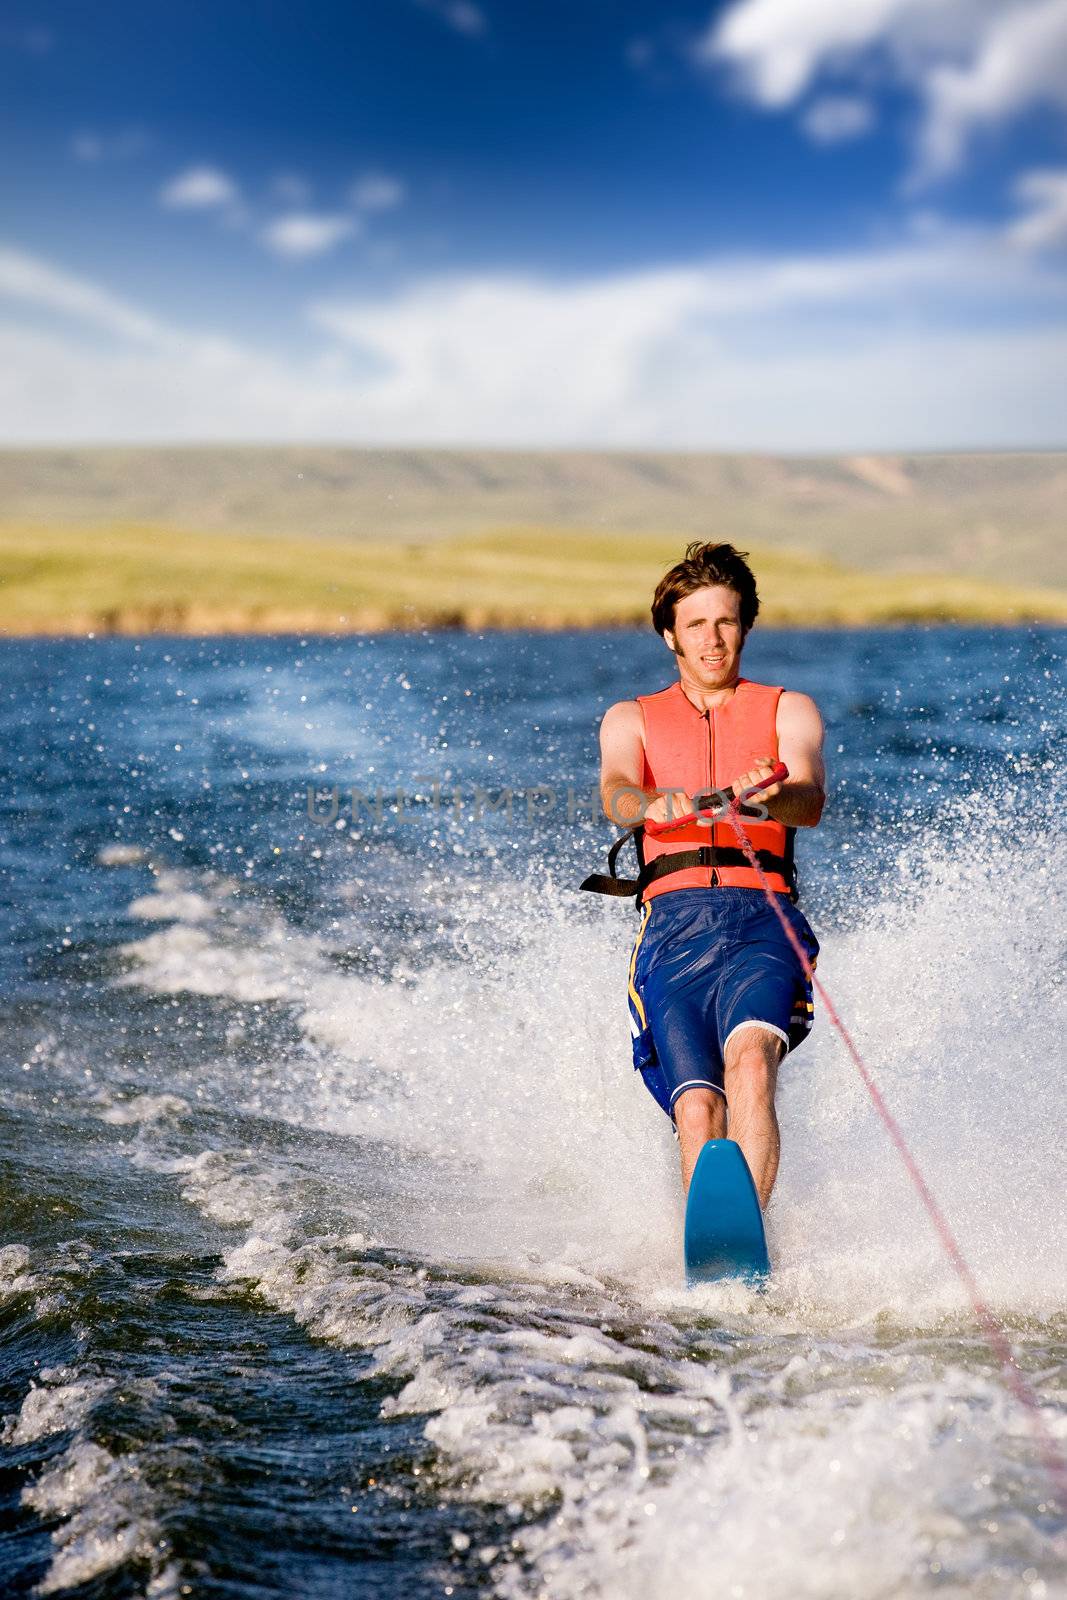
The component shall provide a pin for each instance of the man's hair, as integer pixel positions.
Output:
(706, 566)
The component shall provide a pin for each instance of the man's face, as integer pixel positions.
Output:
(707, 637)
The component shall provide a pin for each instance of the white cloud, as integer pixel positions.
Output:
(197, 189)
(462, 16)
(1045, 223)
(971, 62)
(836, 118)
(848, 352)
(28, 281)
(792, 353)
(1020, 61)
(377, 191)
(303, 234)
(780, 45)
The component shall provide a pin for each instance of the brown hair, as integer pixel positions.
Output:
(706, 566)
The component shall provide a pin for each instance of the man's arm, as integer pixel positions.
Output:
(622, 766)
(622, 763)
(799, 801)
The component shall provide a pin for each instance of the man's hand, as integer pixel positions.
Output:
(797, 802)
(669, 807)
(763, 768)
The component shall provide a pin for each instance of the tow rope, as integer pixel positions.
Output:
(991, 1326)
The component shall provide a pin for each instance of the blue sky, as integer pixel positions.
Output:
(763, 224)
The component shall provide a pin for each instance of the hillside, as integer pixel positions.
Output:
(974, 516)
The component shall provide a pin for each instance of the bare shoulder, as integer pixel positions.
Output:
(622, 731)
(623, 716)
(798, 715)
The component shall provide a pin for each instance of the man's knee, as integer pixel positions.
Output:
(752, 1058)
(699, 1111)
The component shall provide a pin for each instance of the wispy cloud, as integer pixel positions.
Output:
(835, 118)
(377, 191)
(1020, 61)
(952, 341)
(809, 352)
(1044, 223)
(298, 233)
(972, 63)
(28, 281)
(302, 234)
(462, 16)
(199, 189)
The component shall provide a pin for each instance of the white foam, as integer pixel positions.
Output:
(140, 1109)
(53, 1407)
(182, 905)
(216, 945)
(845, 1493)
(79, 1475)
(512, 1073)
(182, 897)
(188, 960)
(502, 1086)
(105, 1512)
(807, 1443)
(16, 1276)
(108, 1520)
(707, 1468)
(121, 855)
(230, 1189)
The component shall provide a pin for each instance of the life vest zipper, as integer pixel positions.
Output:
(714, 883)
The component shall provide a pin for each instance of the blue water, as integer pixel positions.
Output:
(340, 1249)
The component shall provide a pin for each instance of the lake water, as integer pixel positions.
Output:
(340, 1247)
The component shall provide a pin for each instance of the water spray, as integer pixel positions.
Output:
(991, 1326)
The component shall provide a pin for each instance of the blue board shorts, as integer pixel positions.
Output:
(705, 963)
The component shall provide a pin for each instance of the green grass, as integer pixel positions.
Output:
(147, 578)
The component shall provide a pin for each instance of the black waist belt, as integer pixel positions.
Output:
(681, 861)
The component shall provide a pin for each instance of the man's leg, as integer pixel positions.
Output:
(699, 1115)
(752, 1056)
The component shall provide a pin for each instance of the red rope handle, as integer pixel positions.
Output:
(991, 1326)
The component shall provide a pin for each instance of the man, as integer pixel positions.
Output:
(717, 996)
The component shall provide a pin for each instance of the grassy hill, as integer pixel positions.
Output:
(210, 539)
(142, 580)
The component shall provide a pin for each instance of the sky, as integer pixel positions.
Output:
(772, 225)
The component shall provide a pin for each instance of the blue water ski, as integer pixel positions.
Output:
(724, 1235)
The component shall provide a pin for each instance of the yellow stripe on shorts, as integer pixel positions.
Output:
(634, 996)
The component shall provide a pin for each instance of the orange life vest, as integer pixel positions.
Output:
(692, 751)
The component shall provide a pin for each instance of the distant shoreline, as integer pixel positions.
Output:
(136, 627)
(144, 580)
